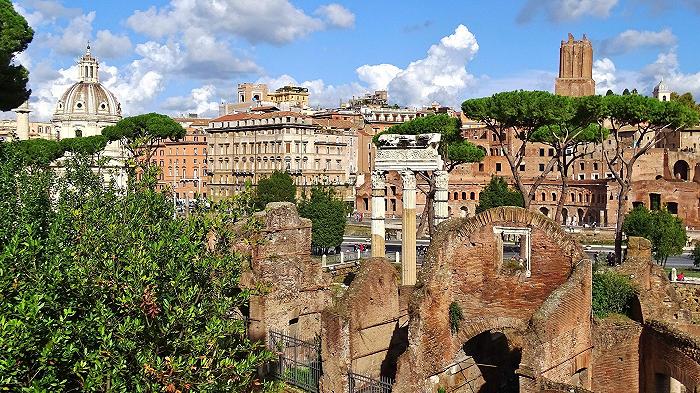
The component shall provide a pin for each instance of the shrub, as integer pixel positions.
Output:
(612, 293)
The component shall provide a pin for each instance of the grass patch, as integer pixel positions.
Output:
(358, 230)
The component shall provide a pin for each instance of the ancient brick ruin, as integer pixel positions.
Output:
(522, 327)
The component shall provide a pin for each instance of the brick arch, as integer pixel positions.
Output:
(463, 267)
(671, 352)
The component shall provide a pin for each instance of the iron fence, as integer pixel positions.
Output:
(298, 361)
(358, 383)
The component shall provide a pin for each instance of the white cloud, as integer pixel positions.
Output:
(110, 45)
(272, 21)
(441, 76)
(565, 10)
(73, 39)
(39, 12)
(604, 75)
(200, 101)
(337, 15)
(630, 40)
(378, 76)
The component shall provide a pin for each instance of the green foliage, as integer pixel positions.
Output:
(464, 151)
(612, 293)
(442, 390)
(647, 112)
(328, 218)
(36, 152)
(523, 110)
(665, 231)
(102, 290)
(498, 193)
(456, 317)
(686, 99)
(142, 134)
(89, 145)
(15, 35)
(279, 187)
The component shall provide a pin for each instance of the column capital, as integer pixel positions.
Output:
(409, 179)
(378, 179)
(442, 179)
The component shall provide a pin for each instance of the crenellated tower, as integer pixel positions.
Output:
(575, 68)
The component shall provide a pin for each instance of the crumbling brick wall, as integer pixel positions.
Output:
(615, 360)
(295, 289)
(464, 267)
(360, 330)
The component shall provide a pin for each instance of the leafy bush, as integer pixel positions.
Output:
(498, 193)
(612, 293)
(279, 187)
(328, 218)
(102, 290)
(665, 231)
(696, 255)
(456, 317)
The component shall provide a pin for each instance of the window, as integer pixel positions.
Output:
(78, 133)
(195, 151)
(554, 196)
(655, 201)
(498, 167)
(522, 167)
(541, 152)
(455, 196)
(582, 176)
(595, 166)
(573, 197)
(541, 167)
(550, 153)
(582, 165)
(464, 195)
(672, 207)
(543, 197)
(481, 167)
(472, 195)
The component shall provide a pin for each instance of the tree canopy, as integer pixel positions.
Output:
(328, 218)
(519, 114)
(665, 231)
(279, 187)
(142, 134)
(15, 35)
(498, 193)
(105, 291)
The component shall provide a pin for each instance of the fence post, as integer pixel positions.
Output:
(358, 254)
(342, 257)
(398, 257)
(674, 276)
(323, 260)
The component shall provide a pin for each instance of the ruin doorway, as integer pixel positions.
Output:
(681, 170)
(544, 211)
(580, 216)
(564, 216)
(497, 360)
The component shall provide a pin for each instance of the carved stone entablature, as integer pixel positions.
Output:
(408, 152)
(398, 141)
(409, 180)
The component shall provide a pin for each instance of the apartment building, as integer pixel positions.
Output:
(246, 147)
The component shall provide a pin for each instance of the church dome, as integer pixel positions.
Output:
(88, 98)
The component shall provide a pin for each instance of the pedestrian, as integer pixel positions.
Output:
(681, 276)
(610, 259)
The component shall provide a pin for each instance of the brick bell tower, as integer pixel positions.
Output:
(575, 68)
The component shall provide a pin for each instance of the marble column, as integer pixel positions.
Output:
(441, 193)
(378, 213)
(22, 121)
(408, 229)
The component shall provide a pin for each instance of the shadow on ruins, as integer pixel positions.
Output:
(518, 328)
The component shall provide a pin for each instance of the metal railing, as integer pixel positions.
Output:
(298, 361)
(358, 383)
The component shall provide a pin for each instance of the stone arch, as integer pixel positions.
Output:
(681, 170)
(464, 212)
(464, 267)
(544, 210)
(564, 216)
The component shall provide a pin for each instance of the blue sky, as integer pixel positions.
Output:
(181, 56)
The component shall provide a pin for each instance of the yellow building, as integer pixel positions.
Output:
(295, 96)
